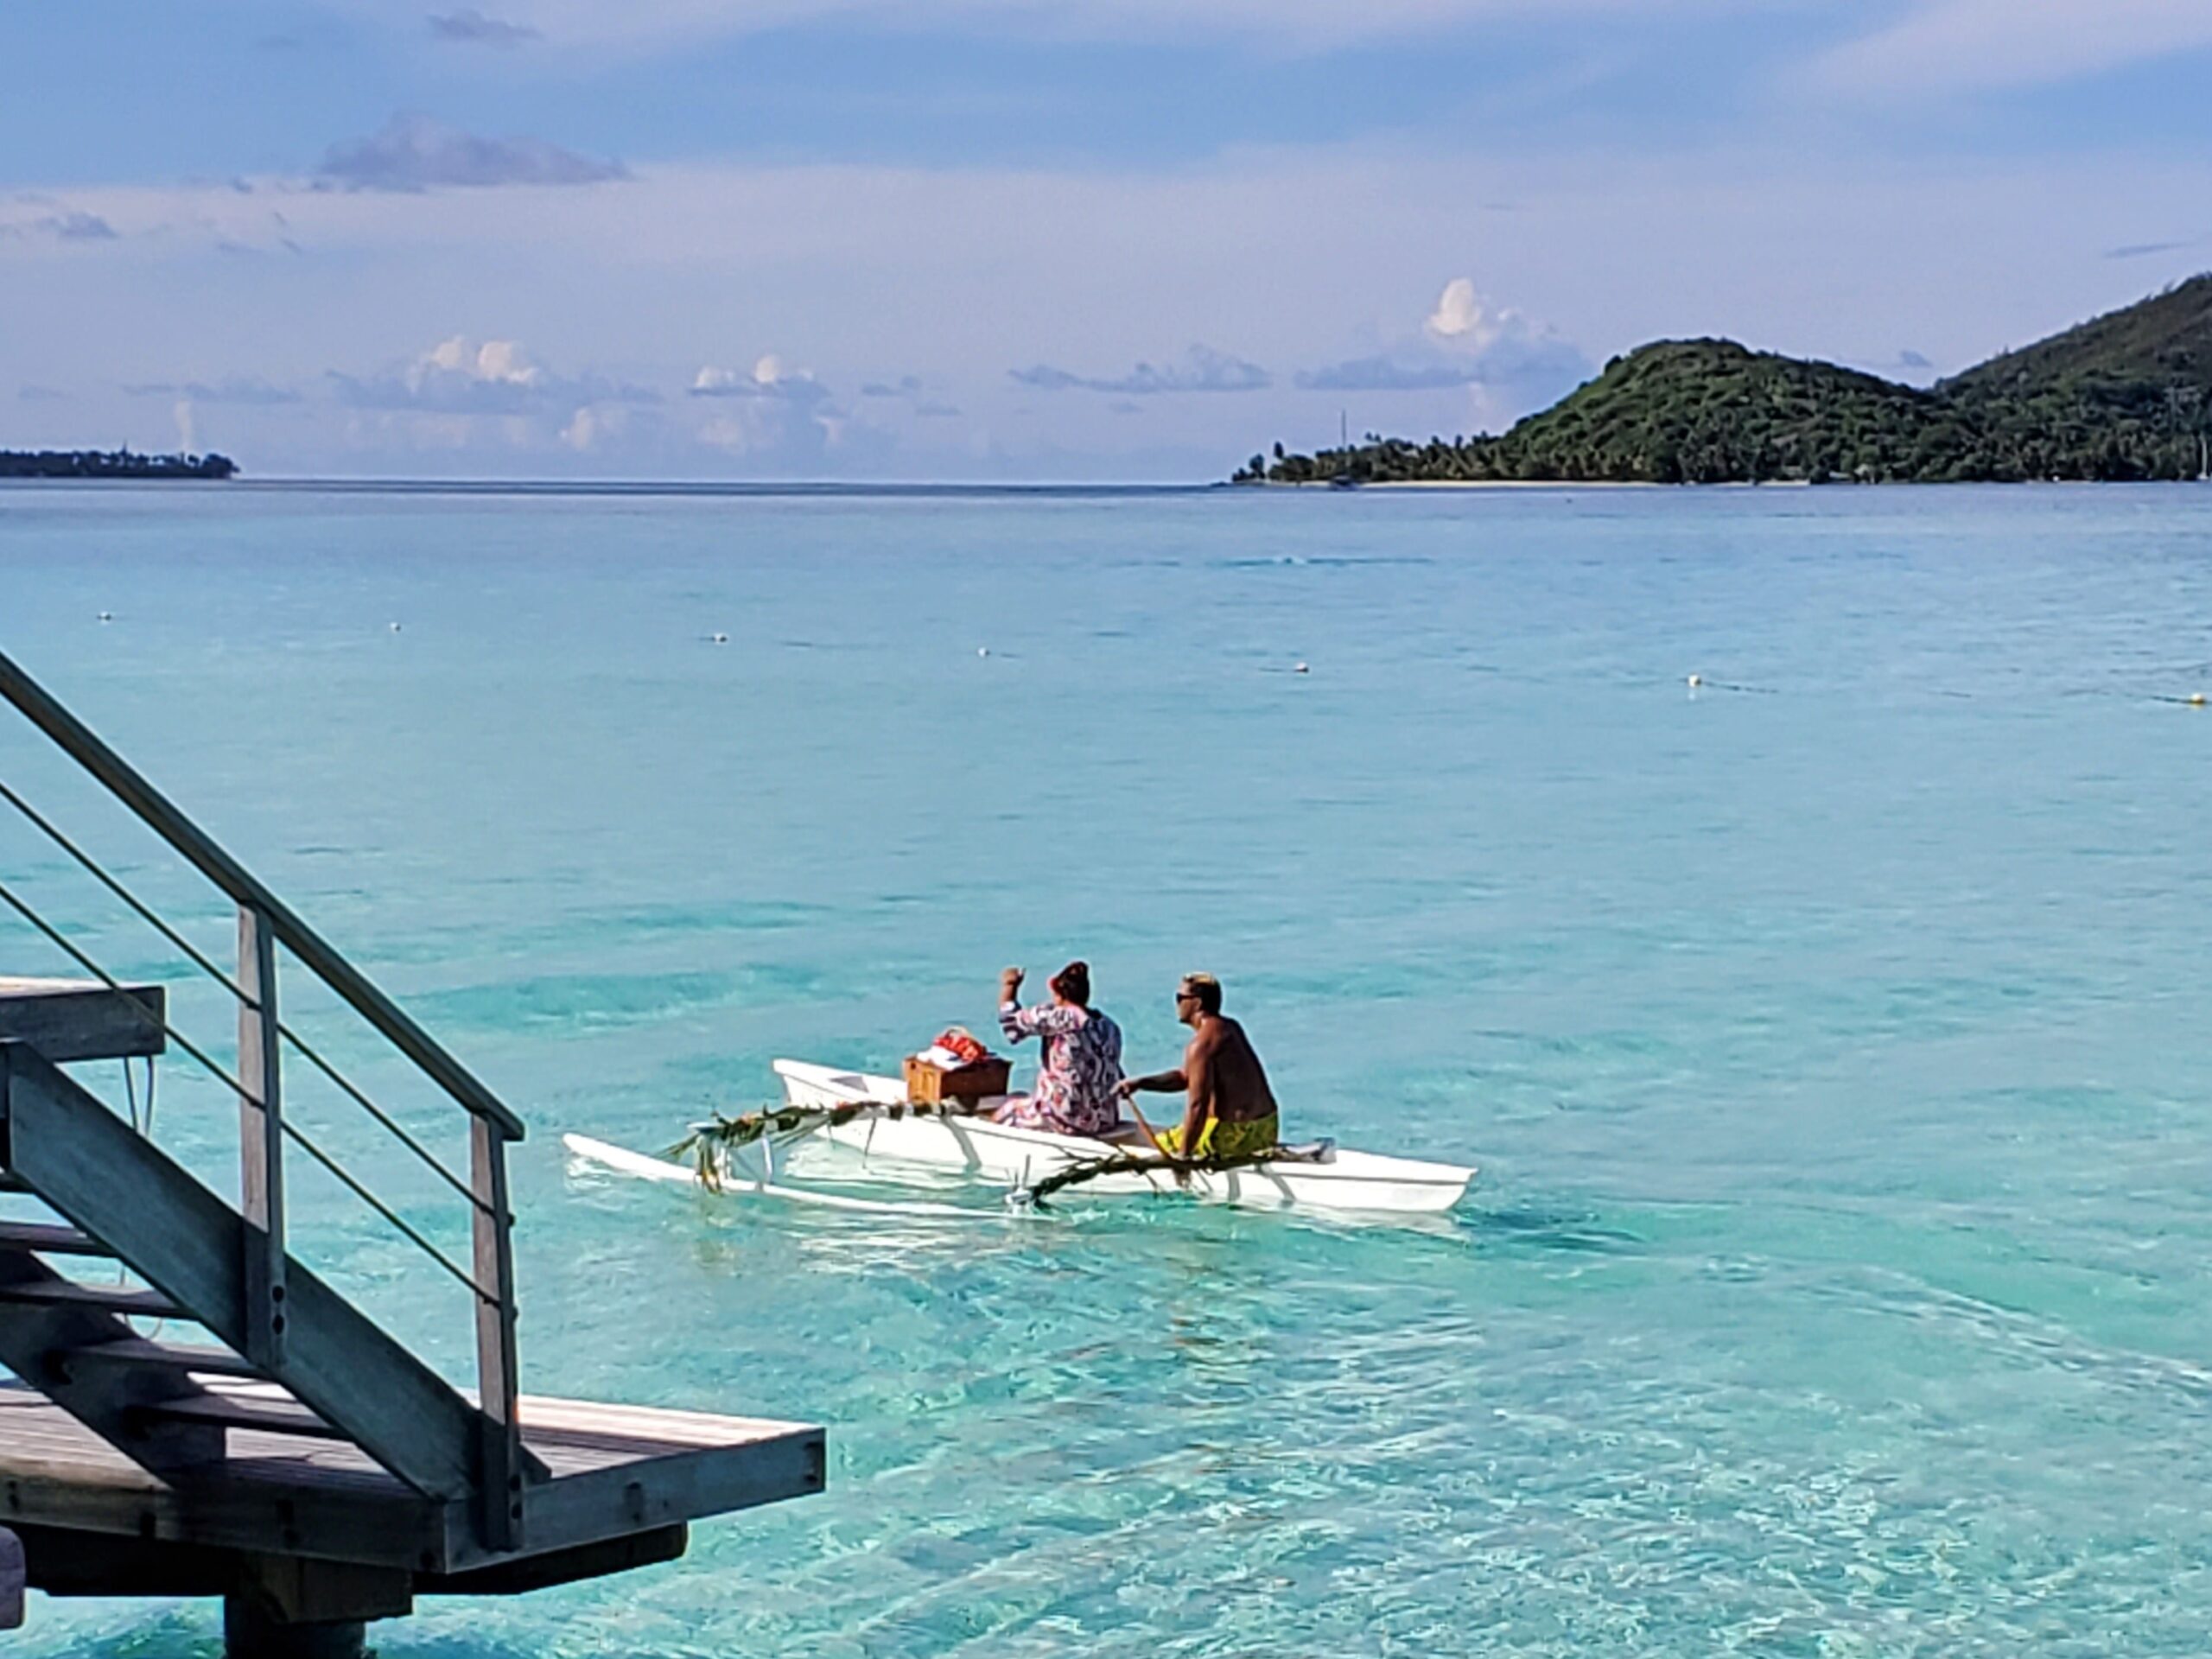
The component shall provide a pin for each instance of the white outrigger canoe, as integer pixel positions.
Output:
(1321, 1177)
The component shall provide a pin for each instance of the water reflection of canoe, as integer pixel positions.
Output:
(1321, 1177)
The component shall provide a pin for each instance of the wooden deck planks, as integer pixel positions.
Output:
(615, 1470)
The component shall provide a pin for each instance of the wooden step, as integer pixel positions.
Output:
(49, 1238)
(264, 1416)
(112, 1299)
(166, 1355)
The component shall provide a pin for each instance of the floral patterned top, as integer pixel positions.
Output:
(1076, 1075)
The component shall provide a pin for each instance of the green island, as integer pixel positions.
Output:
(111, 463)
(2125, 397)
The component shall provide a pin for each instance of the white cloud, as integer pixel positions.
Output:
(2151, 250)
(61, 224)
(592, 425)
(502, 362)
(1948, 45)
(230, 388)
(78, 228)
(776, 437)
(1464, 322)
(1385, 372)
(414, 153)
(459, 375)
(1202, 369)
(469, 27)
(768, 378)
(1511, 363)
(1950, 42)
(1459, 311)
(1305, 25)
(781, 422)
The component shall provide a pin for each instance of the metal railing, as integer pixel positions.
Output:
(264, 923)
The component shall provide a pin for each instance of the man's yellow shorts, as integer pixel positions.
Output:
(1220, 1140)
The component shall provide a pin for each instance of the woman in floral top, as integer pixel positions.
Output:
(1081, 1067)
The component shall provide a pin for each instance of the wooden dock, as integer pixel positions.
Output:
(623, 1484)
(273, 1447)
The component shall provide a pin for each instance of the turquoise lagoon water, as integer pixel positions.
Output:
(1832, 1037)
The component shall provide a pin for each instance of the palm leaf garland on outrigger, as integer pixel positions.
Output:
(704, 1146)
(1137, 1163)
(782, 1124)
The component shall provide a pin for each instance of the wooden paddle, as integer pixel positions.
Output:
(1131, 1103)
(1180, 1165)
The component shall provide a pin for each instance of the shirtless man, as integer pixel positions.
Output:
(1231, 1111)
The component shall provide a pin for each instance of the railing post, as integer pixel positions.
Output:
(260, 1140)
(501, 1460)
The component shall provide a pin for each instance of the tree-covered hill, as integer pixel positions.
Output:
(2128, 396)
(1703, 411)
(2165, 339)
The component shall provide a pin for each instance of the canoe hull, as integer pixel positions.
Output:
(1343, 1180)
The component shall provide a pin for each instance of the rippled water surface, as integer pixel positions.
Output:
(1832, 1035)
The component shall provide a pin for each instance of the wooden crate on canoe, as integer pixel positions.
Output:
(934, 1085)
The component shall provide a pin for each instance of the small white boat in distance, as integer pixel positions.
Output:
(1320, 1177)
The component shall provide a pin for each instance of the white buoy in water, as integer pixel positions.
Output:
(2197, 699)
(1696, 680)
(107, 616)
(719, 638)
(1301, 669)
(395, 627)
(982, 651)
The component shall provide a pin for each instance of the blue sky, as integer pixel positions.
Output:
(997, 239)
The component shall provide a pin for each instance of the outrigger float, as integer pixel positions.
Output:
(894, 1139)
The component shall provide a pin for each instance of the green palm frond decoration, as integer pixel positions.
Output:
(709, 1143)
(1145, 1162)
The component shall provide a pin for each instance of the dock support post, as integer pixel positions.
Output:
(14, 1575)
(282, 1607)
(250, 1633)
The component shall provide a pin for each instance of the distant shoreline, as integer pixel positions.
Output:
(1469, 484)
(113, 466)
(1569, 484)
(703, 489)
(685, 489)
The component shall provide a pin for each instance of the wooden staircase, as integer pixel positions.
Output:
(285, 1451)
(340, 1378)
